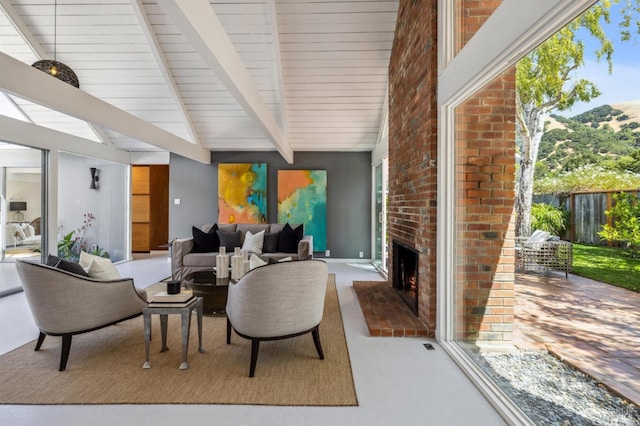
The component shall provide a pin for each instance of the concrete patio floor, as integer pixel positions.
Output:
(594, 327)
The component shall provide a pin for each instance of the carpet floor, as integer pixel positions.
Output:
(105, 367)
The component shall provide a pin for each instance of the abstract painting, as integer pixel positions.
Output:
(302, 198)
(242, 193)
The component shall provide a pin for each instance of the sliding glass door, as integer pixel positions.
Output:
(21, 203)
(381, 187)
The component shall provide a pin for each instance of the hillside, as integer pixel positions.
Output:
(605, 132)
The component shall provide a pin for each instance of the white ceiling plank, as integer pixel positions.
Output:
(19, 25)
(278, 67)
(164, 68)
(330, 19)
(333, 63)
(203, 29)
(27, 82)
(337, 7)
(321, 28)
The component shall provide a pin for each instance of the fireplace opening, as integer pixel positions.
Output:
(405, 274)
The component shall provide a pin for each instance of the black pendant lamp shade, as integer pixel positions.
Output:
(59, 70)
(52, 67)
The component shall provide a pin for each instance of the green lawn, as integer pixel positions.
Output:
(606, 264)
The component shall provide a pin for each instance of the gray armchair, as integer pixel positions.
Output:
(278, 301)
(64, 304)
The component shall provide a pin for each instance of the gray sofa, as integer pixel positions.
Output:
(184, 261)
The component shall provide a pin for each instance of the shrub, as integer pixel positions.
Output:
(625, 227)
(546, 217)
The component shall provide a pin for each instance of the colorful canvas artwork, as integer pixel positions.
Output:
(302, 198)
(242, 193)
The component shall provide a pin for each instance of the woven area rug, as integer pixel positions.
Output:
(105, 367)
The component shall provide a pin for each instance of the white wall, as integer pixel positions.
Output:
(109, 203)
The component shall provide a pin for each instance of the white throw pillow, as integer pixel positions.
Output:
(286, 259)
(538, 236)
(29, 231)
(255, 261)
(253, 243)
(86, 258)
(15, 228)
(103, 269)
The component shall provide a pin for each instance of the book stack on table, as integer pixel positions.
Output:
(165, 300)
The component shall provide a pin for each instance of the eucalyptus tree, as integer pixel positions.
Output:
(546, 80)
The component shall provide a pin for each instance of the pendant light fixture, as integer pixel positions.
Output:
(52, 67)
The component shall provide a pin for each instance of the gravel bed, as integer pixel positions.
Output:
(553, 393)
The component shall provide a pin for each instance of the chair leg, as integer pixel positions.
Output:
(228, 331)
(255, 346)
(316, 340)
(40, 341)
(66, 347)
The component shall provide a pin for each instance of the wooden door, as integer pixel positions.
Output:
(149, 207)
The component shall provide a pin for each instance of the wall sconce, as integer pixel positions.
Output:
(94, 178)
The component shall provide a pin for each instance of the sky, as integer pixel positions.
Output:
(623, 84)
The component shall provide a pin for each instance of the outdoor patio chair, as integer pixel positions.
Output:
(542, 252)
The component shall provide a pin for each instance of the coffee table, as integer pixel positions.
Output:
(164, 311)
(213, 291)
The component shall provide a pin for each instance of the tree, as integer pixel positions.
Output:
(545, 80)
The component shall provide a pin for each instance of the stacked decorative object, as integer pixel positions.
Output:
(239, 264)
(222, 263)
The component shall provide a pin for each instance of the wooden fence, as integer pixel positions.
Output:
(586, 213)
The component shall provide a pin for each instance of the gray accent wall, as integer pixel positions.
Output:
(348, 194)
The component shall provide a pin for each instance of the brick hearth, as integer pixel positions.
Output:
(385, 313)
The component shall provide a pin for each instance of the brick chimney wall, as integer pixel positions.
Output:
(486, 157)
(413, 123)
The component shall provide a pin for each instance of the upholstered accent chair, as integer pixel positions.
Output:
(64, 303)
(278, 301)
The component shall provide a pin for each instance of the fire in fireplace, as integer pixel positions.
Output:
(405, 274)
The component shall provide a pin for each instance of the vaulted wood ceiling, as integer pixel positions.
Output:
(285, 75)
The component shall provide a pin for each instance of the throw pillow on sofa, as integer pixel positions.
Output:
(98, 267)
(74, 268)
(270, 244)
(230, 240)
(52, 260)
(255, 261)
(29, 231)
(273, 260)
(205, 242)
(17, 231)
(289, 239)
(103, 269)
(253, 242)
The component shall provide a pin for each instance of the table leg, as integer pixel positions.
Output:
(147, 338)
(199, 313)
(164, 319)
(186, 325)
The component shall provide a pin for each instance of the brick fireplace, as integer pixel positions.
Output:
(412, 194)
(405, 278)
(485, 160)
